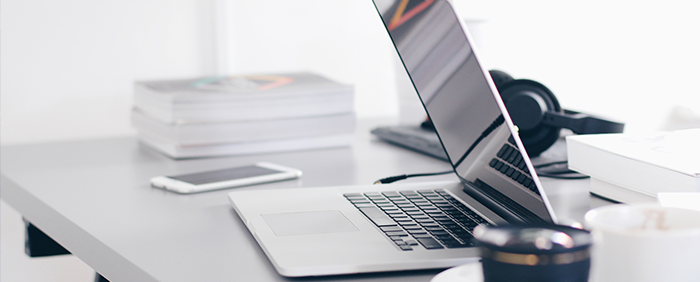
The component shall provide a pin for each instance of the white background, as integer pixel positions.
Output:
(67, 67)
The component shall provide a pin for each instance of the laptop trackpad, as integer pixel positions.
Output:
(307, 223)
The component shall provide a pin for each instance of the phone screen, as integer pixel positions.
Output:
(224, 174)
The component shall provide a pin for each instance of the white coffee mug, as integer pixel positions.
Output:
(644, 243)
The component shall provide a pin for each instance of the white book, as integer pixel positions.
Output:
(242, 97)
(320, 104)
(687, 200)
(620, 194)
(246, 148)
(648, 163)
(244, 131)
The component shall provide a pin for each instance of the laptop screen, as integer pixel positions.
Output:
(465, 108)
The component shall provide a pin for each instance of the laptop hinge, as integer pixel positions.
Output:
(511, 211)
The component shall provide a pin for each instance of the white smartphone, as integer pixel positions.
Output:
(225, 178)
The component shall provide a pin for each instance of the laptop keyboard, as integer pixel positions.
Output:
(510, 162)
(430, 218)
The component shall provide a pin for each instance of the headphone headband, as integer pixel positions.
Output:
(536, 111)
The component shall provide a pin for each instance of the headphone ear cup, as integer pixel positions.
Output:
(500, 78)
(527, 101)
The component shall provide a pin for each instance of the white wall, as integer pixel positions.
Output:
(635, 61)
(67, 66)
(343, 40)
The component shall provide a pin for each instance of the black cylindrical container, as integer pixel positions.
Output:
(543, 253)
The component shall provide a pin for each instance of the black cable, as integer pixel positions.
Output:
(549, 164)
(549, 174)
(568, 177)
(395, 178)
(544, 170)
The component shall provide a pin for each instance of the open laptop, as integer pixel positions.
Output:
(356, 229)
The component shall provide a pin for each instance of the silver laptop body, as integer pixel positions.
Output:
(342, 230)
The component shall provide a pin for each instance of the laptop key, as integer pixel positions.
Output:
(377, 216)
(438, 232)
(357, 202)
(456, 244)
(451, 225)
(429, 243)
(443, 219)
(411, 210)
(521, 178)
(396, 233)
(391, 228)
(418, 233)
(445, 237)
(465, 237)
(503, 150)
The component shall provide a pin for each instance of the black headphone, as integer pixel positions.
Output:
(536, 112)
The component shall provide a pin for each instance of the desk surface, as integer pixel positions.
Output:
(94, 198)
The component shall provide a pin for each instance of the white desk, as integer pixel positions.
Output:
(94, 198)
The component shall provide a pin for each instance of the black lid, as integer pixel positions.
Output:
(533, 239)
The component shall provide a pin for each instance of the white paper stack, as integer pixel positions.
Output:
(214, 116)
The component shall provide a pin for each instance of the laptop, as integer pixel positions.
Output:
(402, 226)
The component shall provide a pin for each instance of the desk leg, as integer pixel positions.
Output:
(38, 244)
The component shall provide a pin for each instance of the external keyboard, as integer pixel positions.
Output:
(429, 218)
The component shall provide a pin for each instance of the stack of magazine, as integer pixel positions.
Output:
(238, 115)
